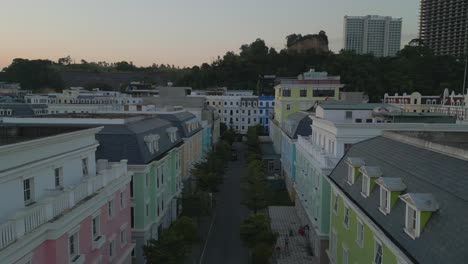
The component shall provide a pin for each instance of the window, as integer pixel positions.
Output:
(351, 175)
(360, 233)
(132, 217)
(378, 253)
(146, 180)
(96, 227)
(411, 220)
(286, 93)
(112, 249)
(122, 200)
(157, 181)
(110, 209)
(349, 114)
(365, 186)
(358, 120)
(384, 201)
(73, 246)
(345, 255)
(369, 120)
(261, 111)
(28, 187)
(346, 217)
(288, 107)
(84, 165)
(158, 209)
(334, 245)
(231, 103)
(335, 204)
(303, 93)
(131, 188)
(58, 174)
(123, 236)
(147, 209)
(323, 93)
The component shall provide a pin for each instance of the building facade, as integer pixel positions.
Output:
(391, 205)
(63, 206)
(443, 26)
(266, 106)
(377, 35)
(293, 95)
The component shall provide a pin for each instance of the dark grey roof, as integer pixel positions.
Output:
(337, 105)
(126, 141)
(179, 119)
(444, 237)
(21, 109)
(298, 123)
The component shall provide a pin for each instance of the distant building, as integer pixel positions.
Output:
(20, 109)
(377, 35)
(266, 106)
(443, 26)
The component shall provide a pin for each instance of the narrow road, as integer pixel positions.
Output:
(223, 244)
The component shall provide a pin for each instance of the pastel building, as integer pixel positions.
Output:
(301, 93)
(398, 198)
(266, 105)
(61, 205)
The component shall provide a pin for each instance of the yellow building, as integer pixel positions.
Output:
(301, 93)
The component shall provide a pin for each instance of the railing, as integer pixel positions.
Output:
(58, 202)
(325, 160)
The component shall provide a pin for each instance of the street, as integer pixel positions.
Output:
(223, 244)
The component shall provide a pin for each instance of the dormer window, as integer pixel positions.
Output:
(172, 133)
(419, 208)
(353, 169)
(390, 189)
(152, 142)
(369, 174)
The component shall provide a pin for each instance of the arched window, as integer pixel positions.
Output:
(428, 101)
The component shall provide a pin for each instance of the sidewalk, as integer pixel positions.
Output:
(283, 221)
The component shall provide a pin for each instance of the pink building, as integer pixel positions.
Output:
(58, 204)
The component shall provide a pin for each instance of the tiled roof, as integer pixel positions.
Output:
(444, 177)
(298, 123)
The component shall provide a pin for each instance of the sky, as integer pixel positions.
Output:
(179, 32)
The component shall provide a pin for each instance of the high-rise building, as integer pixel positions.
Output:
(443, 26)
(378, 35)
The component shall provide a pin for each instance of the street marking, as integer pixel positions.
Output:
(207, 238)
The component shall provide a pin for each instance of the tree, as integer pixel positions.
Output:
(254, 187)
(65, 60)
(174, 244)
(255, 229)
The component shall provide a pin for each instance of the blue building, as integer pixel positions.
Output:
(265, 106)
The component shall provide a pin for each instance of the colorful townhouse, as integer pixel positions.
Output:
(400, 198)
(59, 204)
(160, 151)
(336, 126)
(301, 93)
(298, 124)
(266, 104)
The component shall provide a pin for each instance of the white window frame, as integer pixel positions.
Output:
(98, 227)
(85, 166)
(417, 219)
(123, 236)
(112, 249)
(147, 209)
(384, 204)
(351, 175)
(365, 191)
(122, 200)
(110, 209)
(346, 214)
(29, 191)
(58, 177)
(345, 253)
(334, 246)
(378, 244)
(75, 234)
(335, 204)
(360, 233)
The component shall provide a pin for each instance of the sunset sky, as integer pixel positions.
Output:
(176, 32)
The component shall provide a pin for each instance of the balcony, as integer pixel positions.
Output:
(325, 160)
(59, 202)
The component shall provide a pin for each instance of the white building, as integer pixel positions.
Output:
(378, 35)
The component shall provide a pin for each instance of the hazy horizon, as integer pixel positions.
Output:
(181, 33)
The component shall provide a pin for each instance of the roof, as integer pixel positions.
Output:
(356, 162)
(298, 123)
(391, 184)
(179, 120)
(336, 105)
(371, 171)
(423, 171)
(127, 141)
(422, 201)
(21, 109)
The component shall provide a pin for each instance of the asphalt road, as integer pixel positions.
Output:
(223, 245)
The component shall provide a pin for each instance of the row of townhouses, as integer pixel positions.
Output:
(94, 188)
(372, 183)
